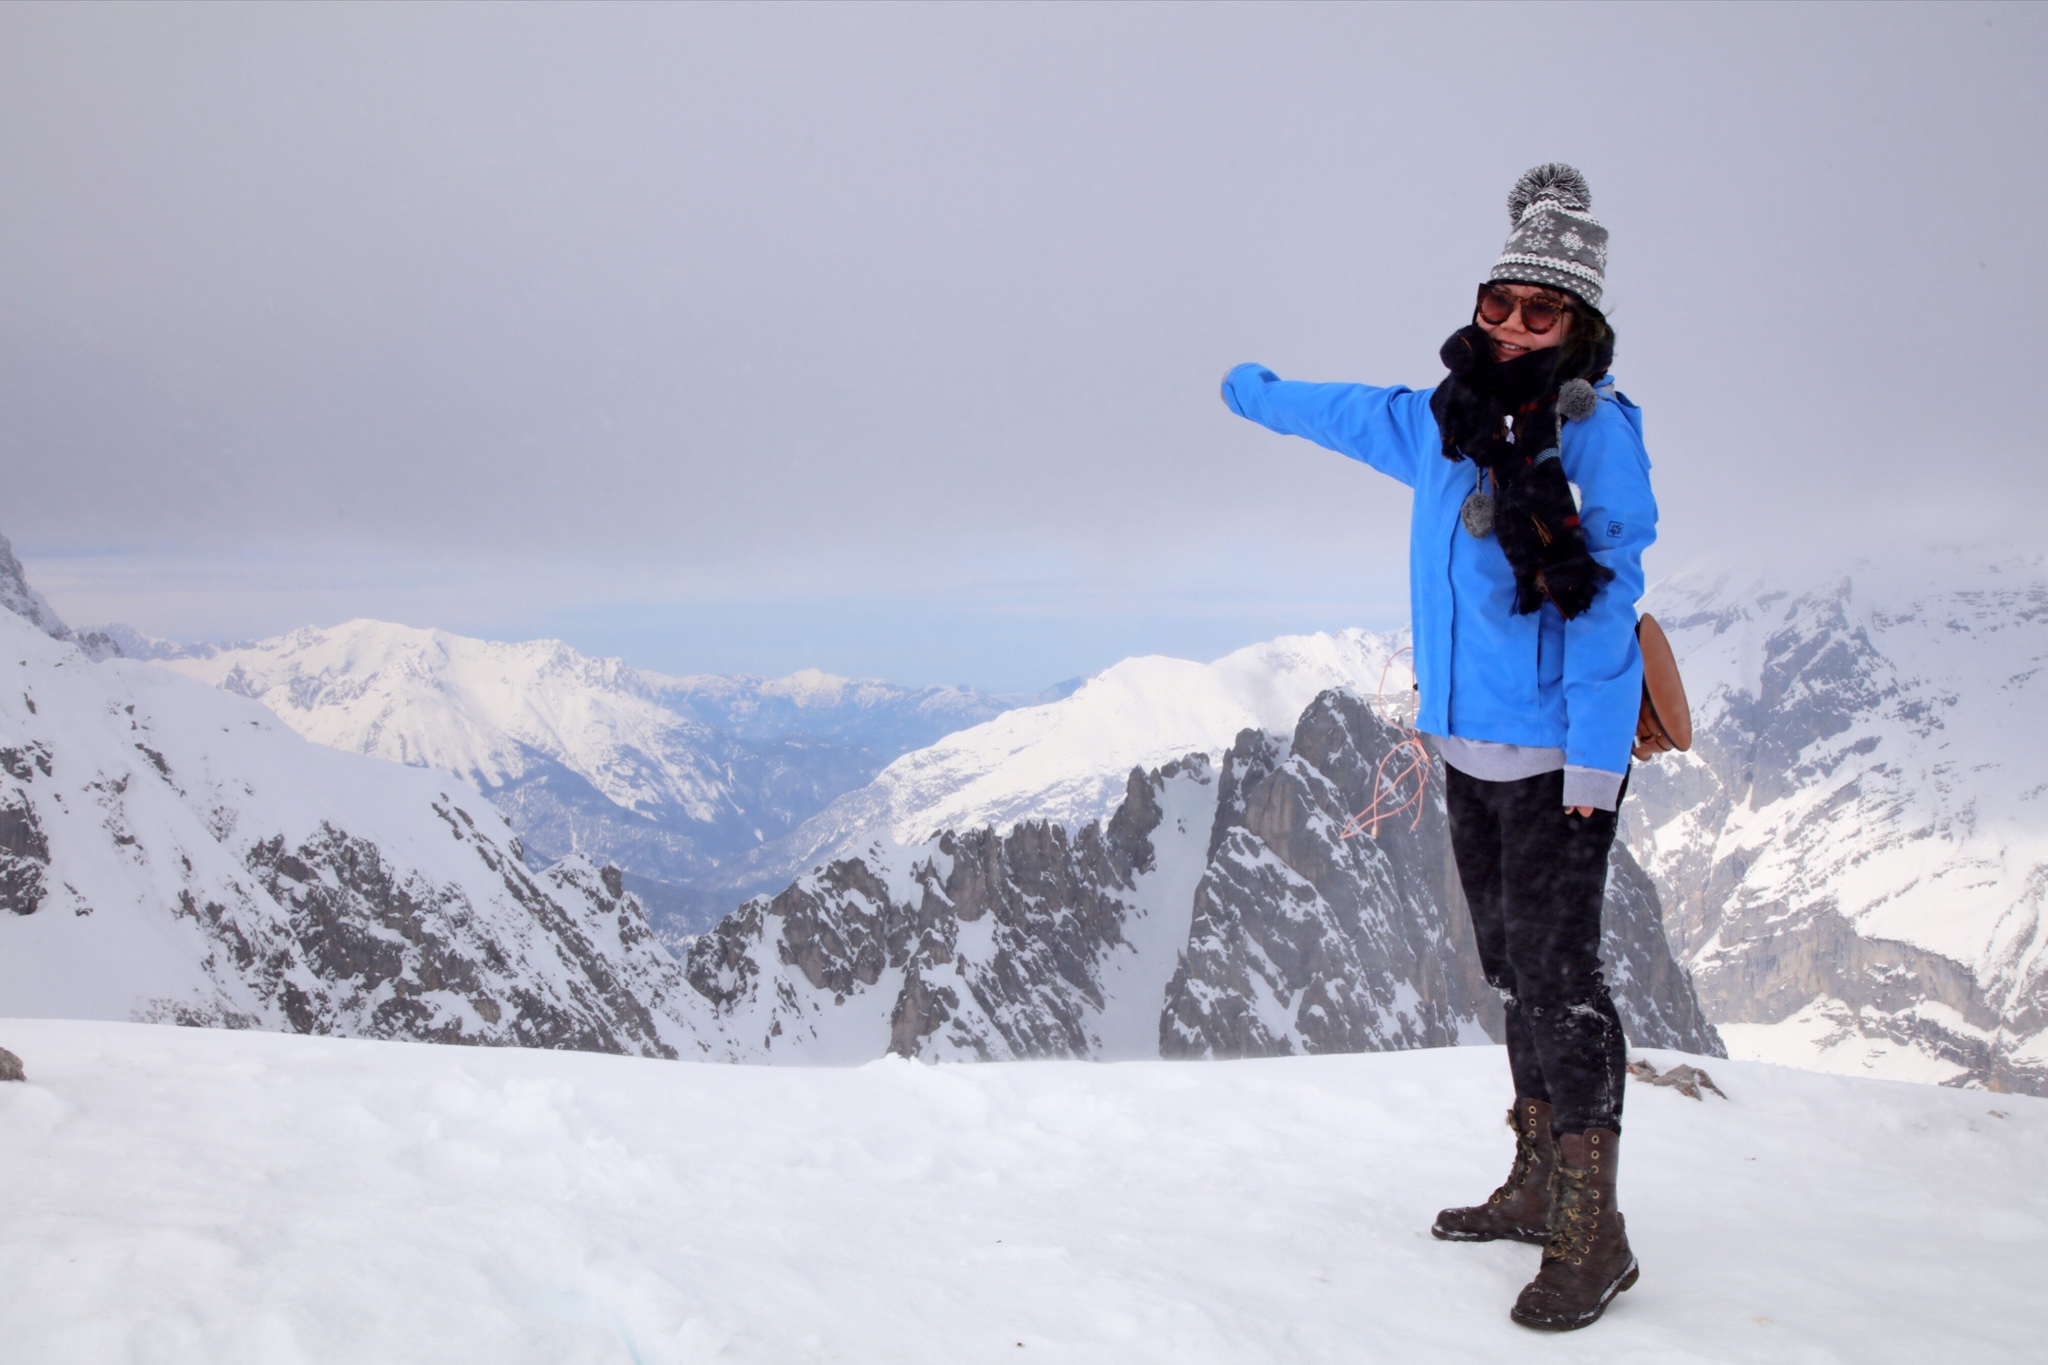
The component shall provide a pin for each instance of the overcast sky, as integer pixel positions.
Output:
(887, 339)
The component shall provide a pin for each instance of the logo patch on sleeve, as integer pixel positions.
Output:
(1613, 528)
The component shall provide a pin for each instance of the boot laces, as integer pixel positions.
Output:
(1525, 1162)
(1572, 1218)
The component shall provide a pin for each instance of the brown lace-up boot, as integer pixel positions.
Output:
(1520, 1209)
(1587, 1261)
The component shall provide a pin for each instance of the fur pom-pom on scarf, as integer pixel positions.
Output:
(1504, 417)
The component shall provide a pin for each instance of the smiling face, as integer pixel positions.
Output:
(1512, 336)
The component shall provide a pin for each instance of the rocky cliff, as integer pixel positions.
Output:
(1305, 941)
(1852, 855)
(974, 945)
(1216, 913)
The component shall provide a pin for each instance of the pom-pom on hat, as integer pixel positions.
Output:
(1556, 241)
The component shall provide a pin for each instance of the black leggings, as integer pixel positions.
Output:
(1535, 877)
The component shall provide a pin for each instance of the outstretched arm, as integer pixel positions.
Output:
(1389, 429)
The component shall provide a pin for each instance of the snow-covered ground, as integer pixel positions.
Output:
(185, 1195)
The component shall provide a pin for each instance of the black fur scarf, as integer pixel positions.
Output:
(1477, 406)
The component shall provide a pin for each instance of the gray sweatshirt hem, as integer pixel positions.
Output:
(1492, 762)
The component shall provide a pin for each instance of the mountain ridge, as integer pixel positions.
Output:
(1067, 760)
(1850, 864)
(669, 777)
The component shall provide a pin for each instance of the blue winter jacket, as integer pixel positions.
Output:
(1486, 673)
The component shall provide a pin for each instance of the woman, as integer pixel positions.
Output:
(1532, 511)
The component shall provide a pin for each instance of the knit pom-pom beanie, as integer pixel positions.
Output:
(1554, 241)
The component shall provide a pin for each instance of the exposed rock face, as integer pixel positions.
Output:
(1213, 915)
(1852, 848)
(390, 952)
(24, 852)
(1654, 995)
(975, 945)
(1306, 942)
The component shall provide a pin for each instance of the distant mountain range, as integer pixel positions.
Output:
(169, 851)
(708, 790)
(668, 778)
(1851, 864)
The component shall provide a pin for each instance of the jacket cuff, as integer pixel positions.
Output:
(1241, 384)
(1595, 787)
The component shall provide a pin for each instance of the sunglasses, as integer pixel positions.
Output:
(1539, 314)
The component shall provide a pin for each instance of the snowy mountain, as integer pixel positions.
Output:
(1067, 760)
(169, 850)
(172, 852)
(1203, 918)
(130, 643)
(1854, 857)
(666, 778)
(1850, 864)
(19, 599)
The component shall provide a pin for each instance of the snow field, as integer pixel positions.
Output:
(192, 1195)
